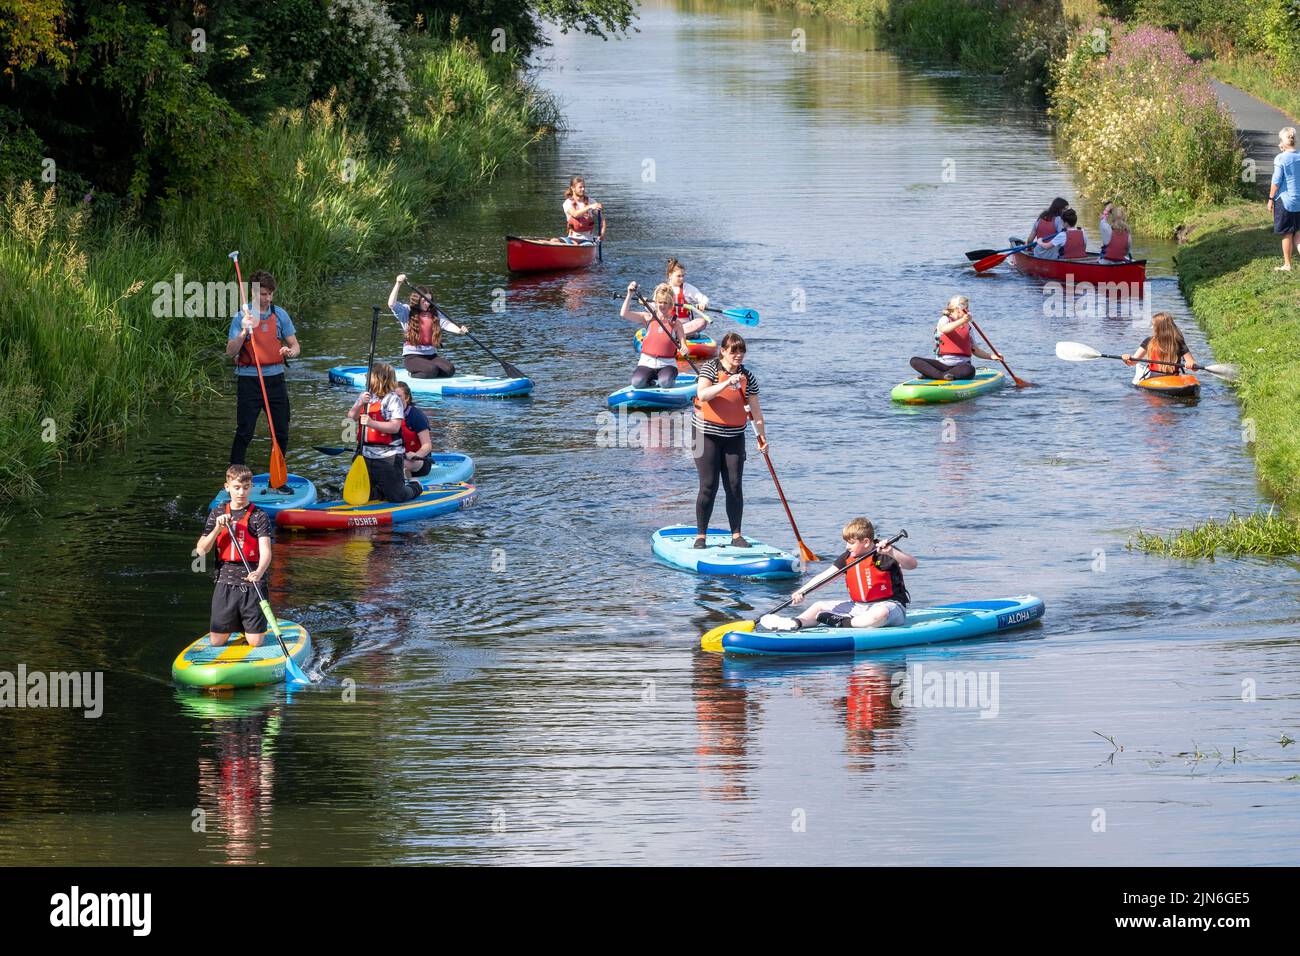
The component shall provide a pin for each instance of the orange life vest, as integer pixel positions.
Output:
(374, 436)
(1045, 229)
(583, 223)
(1155, 356)
(727, 407)
(658, 343)
(1118, 247)
(1074, 247)
(428, 329)
(956, 342)
(226, 546)
(265, 340)
(868, 583)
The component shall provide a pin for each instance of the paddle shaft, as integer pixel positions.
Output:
(804, 551)
(510, 370)
(277, 455)
(370, 367)
(838, 572)
(680, 347)
(1020, 382)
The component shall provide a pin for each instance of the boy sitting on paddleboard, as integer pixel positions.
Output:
(235, 605)
(876, 589)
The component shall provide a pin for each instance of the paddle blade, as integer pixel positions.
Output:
(356, 490)
(279, 471)
(1226, 372)
(975, 255)
(1076, 352)
(712, 641)
(511, 371)
(743, 316)
(805, 552)
(989, 262)
(292, 672)
(328, 450)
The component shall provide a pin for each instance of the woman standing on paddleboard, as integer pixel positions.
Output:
(270, 332)
(726, 394)
(581, 212)
(422, 325)
(953, 345)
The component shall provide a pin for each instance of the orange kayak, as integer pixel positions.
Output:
(1182, 386)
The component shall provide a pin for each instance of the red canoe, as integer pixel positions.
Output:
(546, 255)
(1088, 269)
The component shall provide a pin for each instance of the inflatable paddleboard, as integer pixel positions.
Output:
(296, 492)
(455, 386)
(653, 399)
(435, 500)
(236, 664)
(676, 546)
(930, 391)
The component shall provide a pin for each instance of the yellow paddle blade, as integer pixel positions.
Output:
(712, 641)
(356, 490)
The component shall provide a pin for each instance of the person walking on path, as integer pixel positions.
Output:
(1284, 195)
(270, 331)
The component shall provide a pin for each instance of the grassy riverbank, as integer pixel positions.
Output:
(305, 194)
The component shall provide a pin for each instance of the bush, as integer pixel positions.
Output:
(1142, 125)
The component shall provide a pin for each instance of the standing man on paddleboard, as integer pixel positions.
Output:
(270, 331)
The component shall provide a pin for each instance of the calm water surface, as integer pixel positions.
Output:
(521, 682)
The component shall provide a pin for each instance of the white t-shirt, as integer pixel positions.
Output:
(394, 410)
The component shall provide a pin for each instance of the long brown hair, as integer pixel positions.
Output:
(571, 193)
(1055, 209)
(1166, 340)
(420, 295)
(383, 380)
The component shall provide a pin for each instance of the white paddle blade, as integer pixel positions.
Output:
(1226, 372)
(1076, 352)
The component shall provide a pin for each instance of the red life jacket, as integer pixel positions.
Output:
(868, 583)
(1075, 246)
(226, 547)
(1155, 356)
(410, 440)
(374, 436)
(1045, 229)
(265, 340)
(428, 330)
(728, 407)
(679, 310)
(658, 343)
(584, 223)
(1118, 246)
(956, 342)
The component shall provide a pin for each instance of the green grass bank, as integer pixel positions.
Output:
(304, 194)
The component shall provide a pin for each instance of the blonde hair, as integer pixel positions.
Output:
(955, 303)
(1119, 218)
(859, 529)
(1286, 137)
(663, 294)
(383, 380)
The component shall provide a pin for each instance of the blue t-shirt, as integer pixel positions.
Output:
(416, 420)
(283, 329)
(1286, 176)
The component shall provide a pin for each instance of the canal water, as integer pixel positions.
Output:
(521, 682)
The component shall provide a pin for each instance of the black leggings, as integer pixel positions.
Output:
(929, 368)
(248, 407)
(427, 366)
(388, 480)
(719, 458)
(644, 375)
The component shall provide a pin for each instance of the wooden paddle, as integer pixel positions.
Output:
(356, 488)
(292, 671)
(510, 370)
(1078, 352)
(712, 641)
(279, 470)
(805, 552)
(1020, 382)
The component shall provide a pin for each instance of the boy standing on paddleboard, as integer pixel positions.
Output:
(266, 336)
(235, 605)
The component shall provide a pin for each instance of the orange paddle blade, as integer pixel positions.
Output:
(984, 265)
(805, 552)
(279, 470)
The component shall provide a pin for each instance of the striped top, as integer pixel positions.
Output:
(709, 373)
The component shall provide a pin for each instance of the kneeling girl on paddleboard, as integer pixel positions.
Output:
(381, 414)
(1165, 347)
(877, 594)
(418, 456)
(235, 604)
(422, 325)
(726, 393)
(665, 336)
(953, 345)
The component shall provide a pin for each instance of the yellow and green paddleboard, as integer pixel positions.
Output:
(933, 391)
(236, 664)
